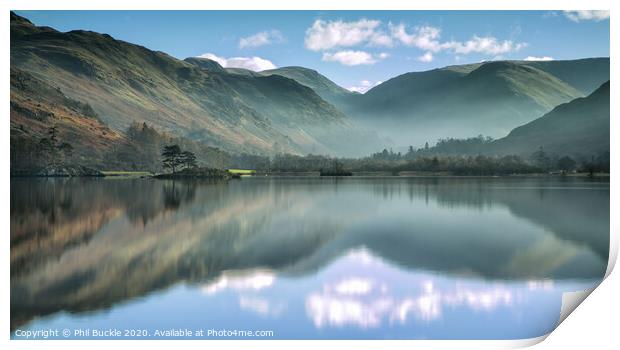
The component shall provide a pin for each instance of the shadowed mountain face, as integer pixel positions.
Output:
(579, 127)
(73, 253)
(327, 89)
(125, 82)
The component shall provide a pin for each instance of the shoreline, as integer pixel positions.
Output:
(146, 175)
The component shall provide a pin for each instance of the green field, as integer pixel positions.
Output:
(242, 171)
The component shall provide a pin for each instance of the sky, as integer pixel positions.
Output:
(355, 49)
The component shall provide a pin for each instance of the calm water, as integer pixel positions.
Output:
(305, 257)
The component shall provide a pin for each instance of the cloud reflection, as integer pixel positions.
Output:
(254, 280)
(261, 306)
(337, 306)
(367, 302)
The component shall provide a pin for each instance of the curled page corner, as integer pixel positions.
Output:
(570, 301)
(613, 255)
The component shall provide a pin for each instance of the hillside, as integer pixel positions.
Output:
(327, 89)
(125, 82)
(586, 75)
(36, 106)
(293, 109)
(459, 101)
(576, 128)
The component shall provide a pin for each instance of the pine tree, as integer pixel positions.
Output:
(172, 157)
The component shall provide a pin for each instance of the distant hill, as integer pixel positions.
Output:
(327, 89)
(577, 128)
(586, 74)
(193, 98)
(460, 101)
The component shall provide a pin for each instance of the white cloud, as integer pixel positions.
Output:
(364, 86)
(252, 63)
(260, 39)
(587, 15)
(486, 45)
(353, 58)
(221, 60)
(427, 57)
(324, 35)
(538, 58)
(427, 38)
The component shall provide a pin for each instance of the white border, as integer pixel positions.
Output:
(594, 323)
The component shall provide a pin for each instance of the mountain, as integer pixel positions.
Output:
(576, 128)
(327, 89)
(293, 109)
(586, 74)
(458, 101)
(36, 105)
(124, 82)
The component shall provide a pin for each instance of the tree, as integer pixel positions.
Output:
(66, 149)
(566, 164)
(49, 145)
(172, 157)
(434, 164)
(52, 132)
(540, 159)
(189, 159)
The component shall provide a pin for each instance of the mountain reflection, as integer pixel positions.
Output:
(79, 245)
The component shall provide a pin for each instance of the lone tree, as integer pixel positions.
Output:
(189, 159)
(172, 157)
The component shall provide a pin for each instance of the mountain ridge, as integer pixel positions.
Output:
(489, 98)
(124, 82)
(293, 109)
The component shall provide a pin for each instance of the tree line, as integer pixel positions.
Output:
(144, 148)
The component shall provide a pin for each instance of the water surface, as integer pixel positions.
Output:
(305, 258)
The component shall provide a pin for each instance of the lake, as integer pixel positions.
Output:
(303, 258)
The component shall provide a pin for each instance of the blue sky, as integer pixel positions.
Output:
(356, 49)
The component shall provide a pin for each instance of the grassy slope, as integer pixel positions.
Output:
(586, 75)
(125, 82)
(327, 89)
(35, 106)
(579, 127)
